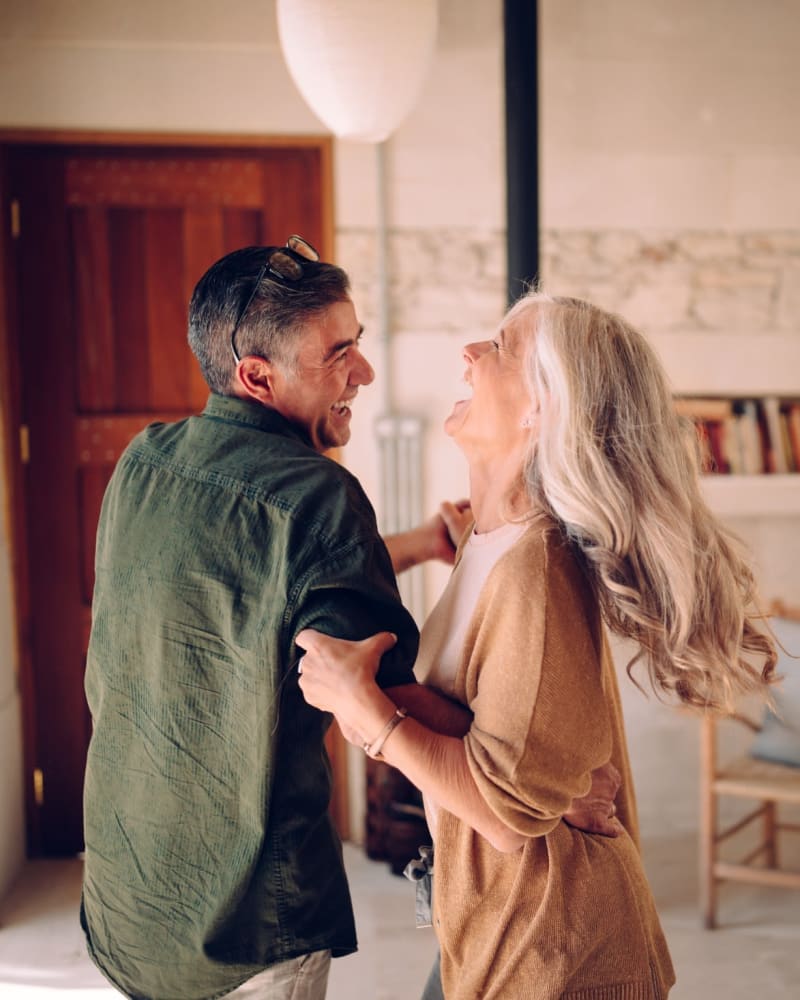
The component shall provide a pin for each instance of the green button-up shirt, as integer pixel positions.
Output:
(210, 853)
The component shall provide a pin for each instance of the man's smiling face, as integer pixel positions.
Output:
(327, 374)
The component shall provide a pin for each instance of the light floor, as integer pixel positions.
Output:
(756, 956)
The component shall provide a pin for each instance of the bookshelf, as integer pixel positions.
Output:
(752, 437)
(732, 369)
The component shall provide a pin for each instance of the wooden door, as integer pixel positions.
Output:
(111, 243)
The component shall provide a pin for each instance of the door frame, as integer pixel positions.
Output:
(14, 444)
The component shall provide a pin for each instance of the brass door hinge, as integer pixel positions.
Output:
(38, 786)
(24, 444)
(15, 224)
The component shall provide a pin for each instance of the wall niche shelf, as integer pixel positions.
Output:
(753, 496)
(738, 366)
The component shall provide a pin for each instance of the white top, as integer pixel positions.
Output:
(442, 638)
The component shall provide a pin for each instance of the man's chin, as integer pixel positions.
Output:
(333, 441)
(338, 431)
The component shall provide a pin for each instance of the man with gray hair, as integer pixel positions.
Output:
(210, 854)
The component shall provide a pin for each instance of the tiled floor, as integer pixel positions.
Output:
(42, 956)
(755, 956)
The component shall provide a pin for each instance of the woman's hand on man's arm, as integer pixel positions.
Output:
(338, 676)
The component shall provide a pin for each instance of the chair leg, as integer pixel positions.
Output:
(710, 904)
(708, 826)
(707, 857)
(708, 892)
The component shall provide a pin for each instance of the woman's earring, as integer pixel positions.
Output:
(527, 422)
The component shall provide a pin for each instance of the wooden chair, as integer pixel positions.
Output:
(743, 777)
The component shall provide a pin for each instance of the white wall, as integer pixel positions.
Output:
(669, 148)
(670, 116)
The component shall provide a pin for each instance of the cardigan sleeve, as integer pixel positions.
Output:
(533, 681)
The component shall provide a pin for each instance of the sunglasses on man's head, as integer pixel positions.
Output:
(285, 266)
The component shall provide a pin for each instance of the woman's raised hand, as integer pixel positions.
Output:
(338, 676)
(456, 517)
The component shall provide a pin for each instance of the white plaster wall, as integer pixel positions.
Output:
(655, 118)
(679, 115)
(185, 65)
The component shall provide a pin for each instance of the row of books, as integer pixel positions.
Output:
(746, 436)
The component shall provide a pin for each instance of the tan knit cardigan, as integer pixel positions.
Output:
(570, 914)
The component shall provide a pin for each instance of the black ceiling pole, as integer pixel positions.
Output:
(522, 144)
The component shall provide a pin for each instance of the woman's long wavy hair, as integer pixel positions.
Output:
(615, 464)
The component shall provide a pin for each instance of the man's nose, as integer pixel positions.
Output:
(363, 373)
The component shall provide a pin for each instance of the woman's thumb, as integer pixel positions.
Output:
(381, 642)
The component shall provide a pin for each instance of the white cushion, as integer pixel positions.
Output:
(779, 739)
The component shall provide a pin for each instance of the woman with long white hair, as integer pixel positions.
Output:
(588, 517)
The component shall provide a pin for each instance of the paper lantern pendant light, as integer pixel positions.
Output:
(359, 64)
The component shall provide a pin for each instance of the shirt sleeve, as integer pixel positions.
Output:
(351, 594)
(534, 684)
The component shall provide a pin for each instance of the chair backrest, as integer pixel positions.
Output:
(763, 783)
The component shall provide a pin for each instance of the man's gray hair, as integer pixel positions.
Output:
(274, 320)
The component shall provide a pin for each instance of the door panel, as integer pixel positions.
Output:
(112, 243)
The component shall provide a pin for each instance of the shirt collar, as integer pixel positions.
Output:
(250, 413)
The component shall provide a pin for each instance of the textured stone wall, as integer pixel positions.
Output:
(447, 280)
(453, 280)
(706, 281)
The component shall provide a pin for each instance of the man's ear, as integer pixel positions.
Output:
(256, 377)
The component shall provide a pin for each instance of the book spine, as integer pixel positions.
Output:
(793, 421)
(733, 444)
(786, 441)
(775, 455)
(716, 441)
